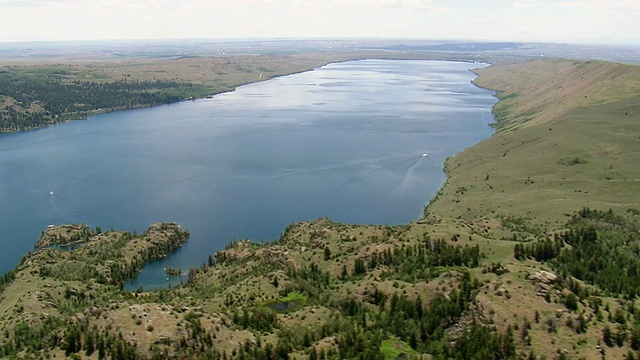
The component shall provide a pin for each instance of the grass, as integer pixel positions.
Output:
(568, 136)
(579, 149)
(290, 303)
(294, 297)
(394, 348)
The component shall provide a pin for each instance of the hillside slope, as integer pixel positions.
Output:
(568, 136)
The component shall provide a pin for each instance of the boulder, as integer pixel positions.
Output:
(545, 277)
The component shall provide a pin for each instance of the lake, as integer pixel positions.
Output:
(358, 142)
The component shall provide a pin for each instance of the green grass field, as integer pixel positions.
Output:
(567, 138)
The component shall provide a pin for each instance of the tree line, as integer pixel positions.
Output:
(43, 99)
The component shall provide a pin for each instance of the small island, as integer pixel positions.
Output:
(170, 271)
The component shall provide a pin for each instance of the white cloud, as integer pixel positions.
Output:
(539, 20)
(30, 3)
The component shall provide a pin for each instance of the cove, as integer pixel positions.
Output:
(358, 142)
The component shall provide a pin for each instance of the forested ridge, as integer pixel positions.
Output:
(33, 99)
(365, 325)
(87, 276)
(324, 290)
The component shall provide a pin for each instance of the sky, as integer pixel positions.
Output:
(558, 21)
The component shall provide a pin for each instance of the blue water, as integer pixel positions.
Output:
(346, 141)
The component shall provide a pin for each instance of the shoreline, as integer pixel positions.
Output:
(420, 213)
(133, 284)
(217, 82)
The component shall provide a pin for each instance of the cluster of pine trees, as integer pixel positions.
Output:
(598, 247)
(360, 328)
(419, 262)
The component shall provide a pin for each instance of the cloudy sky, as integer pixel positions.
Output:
(574, 21)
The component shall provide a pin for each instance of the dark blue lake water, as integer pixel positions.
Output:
(361, 141)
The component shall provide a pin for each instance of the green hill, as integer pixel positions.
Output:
(567, 137)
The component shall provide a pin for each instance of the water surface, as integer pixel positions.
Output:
(360, 141)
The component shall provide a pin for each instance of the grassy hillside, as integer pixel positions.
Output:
(568, 136)
(517, 257)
